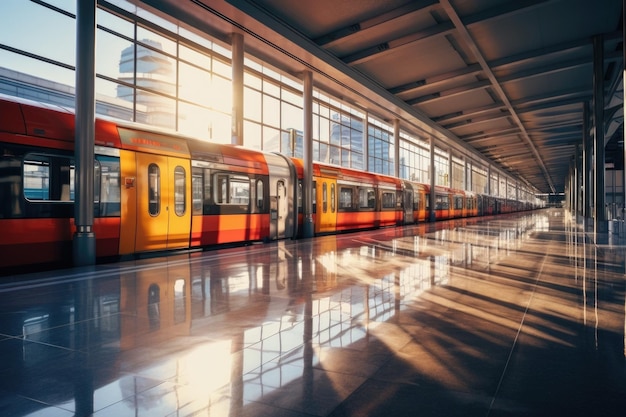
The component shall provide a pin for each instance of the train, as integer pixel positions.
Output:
(159, 191)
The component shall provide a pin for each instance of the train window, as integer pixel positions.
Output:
(314, 198)
(259, 194)
(324, 197)
(416, 201)
(442, 202)
(458, 202)
(300, 196)
(154, 190)
(389, 200)
(196, 191)
(332, 198)
(367, 198)
(107, 186)
(345, 198)
(48, 178)
(180, 195)
(232, 189)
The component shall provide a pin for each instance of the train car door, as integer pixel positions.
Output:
(407, 205)
(326, 216)
(163, 210)
(279, 211)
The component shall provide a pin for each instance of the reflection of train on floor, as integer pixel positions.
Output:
(156, 191)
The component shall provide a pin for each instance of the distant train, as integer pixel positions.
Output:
(156, 191)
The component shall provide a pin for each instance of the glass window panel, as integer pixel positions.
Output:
(252, 104)
(324, 134)
(220, 127)
(197, 188)
(259, 194)
(271, 111)
(324, 154)
(335, 133)
(389, 200)
(221, 68)
(252, 135)
(68, 6)
(292, 98)
(194, 56)
(156, 110)
(112, 107)
(291, 117)
(239, 191)
(272, 140)
(194, 84)
(21, 20)
(115, 23)
(154, 190)
(180, 184)
(114, 55)
(194, 120)
(335, 155)
(156, 40)
(221, 50)
(271, 88)
(36, 178)
(39, 69)
(109, 195)
(252, 80)
(345, 198)
(155, 70)
(221, 94)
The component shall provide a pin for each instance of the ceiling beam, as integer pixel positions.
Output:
(376, 51)
(467, 38)
(329, 39)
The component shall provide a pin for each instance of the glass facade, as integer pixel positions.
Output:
(153, 71)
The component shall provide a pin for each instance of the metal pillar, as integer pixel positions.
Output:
(598, 129)
(84, 245)
(366, 149)
(587, 149)
(308, 229)
(396, 147)
(433, 172)
(237, 73)
(623, 109)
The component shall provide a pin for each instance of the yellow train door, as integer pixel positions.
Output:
(326, 216)
(163, 209)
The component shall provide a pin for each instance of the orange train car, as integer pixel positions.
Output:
(159, 191)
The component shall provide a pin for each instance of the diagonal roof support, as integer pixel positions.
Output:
(467, 38)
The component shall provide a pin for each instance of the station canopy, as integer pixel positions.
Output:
(511, 80)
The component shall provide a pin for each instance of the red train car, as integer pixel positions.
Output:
(159, 191)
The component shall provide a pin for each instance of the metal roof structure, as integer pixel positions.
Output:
(509, 80)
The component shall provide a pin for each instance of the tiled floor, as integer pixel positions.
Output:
(518, 315)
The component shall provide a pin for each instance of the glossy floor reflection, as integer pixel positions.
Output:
(517, 315)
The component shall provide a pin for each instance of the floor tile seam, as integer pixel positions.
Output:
(515, 340)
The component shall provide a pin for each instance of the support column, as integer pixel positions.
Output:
(624, 109)
(433, 172)
(366, 147)
(598, 129)
(587, 163)
(237, 75)
(84, 245)
(467, 175)
(396, 147)
(308, 229)
(450, 165)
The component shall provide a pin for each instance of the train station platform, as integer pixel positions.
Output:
(513, 315)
